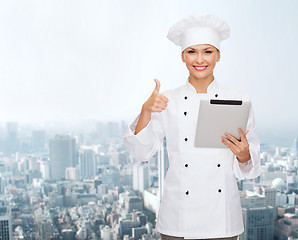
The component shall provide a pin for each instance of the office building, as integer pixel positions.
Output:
(140, 176)
(270, 196)
(38, 140)
(258, 217)
(138, 232)
(46, 229)
(151, 199)
(45, 169)
(287, 227)
(5, 224)
(68, 234)
(163, 165)
(62, 155)
(111, 178)
(294, 148)
(12, 145)
(72, 173)
(87, 164)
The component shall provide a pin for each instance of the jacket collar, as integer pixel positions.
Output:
(212, 86)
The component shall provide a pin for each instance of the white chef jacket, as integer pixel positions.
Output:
(200, 193)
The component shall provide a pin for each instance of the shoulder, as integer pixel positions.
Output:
(232, 92)
(172, 93)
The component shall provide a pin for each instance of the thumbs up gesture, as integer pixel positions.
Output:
(156, 102)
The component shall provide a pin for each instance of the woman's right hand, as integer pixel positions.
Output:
(156, 102)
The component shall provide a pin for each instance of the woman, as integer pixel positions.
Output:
(200, 193)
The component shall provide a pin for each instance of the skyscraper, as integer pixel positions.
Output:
(87, 163)
(38, 140)
(5, 224)
(270, 196)
(257, 217)
(46, 229)
(294, 149)
(72, 173)
(140, 177)
(45, 169)
(163, 165)
(11, 137)
(62, 155)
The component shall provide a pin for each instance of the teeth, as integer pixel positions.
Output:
(200, 68)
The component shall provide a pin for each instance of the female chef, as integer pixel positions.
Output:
(200, 194)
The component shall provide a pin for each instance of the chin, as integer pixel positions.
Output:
(199, 76)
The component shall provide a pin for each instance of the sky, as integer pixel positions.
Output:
(79, 60)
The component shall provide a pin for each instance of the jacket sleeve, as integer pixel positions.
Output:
(144, 145)
(250, 169)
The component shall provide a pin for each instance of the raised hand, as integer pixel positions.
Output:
(156, 102)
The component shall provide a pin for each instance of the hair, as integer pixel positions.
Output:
(213, 46)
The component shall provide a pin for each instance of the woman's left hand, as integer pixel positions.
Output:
(239, 148)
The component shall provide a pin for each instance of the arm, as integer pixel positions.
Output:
(145, 133)
(251, 168)
(145, 143)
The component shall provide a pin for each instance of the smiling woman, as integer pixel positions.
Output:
(200, 61)
(199, 181)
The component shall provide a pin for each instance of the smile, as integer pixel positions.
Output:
(200, 68)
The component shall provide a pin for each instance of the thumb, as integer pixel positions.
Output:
(157, 87)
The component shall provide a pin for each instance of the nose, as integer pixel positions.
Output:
(199, 58)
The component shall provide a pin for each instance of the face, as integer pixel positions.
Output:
(200, 60)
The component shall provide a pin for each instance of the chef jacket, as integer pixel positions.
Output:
(200, 193)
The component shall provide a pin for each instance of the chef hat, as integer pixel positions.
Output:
(199, 29)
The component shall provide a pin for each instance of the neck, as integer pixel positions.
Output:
(201, 84)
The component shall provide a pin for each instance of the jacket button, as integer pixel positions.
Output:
(185, 97)
(219, 190)
(186, 165)
(187, 193)
(185, 113)
(185, 139)
(216, 95)
(218, 165)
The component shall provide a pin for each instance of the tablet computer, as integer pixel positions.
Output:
(216, 117)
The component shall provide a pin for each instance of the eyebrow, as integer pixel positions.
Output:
(203, 49)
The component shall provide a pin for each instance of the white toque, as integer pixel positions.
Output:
(199, 29)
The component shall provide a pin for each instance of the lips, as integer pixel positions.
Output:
(200, 68)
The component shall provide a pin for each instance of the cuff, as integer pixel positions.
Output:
(144, 136)
(249, 169)
(246, 166)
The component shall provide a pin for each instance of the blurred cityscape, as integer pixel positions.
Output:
(81, 183)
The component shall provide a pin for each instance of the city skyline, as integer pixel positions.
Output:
(107, 194)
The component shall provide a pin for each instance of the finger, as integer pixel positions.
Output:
(157, 109)
(246, 132)
(242, 135)
(232, 138)
(164, 98)
(160, 104)
(230, 145)
(157, 87)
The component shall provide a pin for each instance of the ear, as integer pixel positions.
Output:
(182, 56)
(218, 56)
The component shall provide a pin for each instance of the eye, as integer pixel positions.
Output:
(191, 51)
(208, 52)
